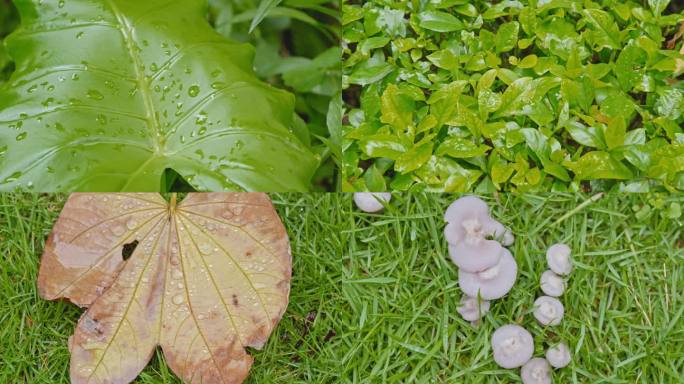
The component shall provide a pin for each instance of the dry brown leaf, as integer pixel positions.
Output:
(208, 277)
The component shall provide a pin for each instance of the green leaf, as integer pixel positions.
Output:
(658, 6)
(519, 93)
(584, 135)
(112, 96)
(264, 7)
(606, 32)
(414, 158)
(599, 165)
(370, 74)
(670, 104)
(439, 21)
(461, 148)
(615, 133)
(507, 36)
(383, 145)
(629, 67)
(397, 108)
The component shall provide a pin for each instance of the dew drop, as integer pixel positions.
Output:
(178, 299)
(193, 91)
(95, 95)
(131, 224)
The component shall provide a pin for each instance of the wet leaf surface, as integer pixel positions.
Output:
(107, 95)
(205, 279)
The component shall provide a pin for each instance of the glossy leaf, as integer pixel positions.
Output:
(109, 94)
(204, 279)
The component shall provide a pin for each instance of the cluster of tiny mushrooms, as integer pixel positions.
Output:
(487, 271)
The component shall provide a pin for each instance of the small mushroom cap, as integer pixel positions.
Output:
(476, 257)
(472, 309)
(466, 207)
(552, 284)
(548, 310)
(536, 371)
(512, 346)
(558, 258)
(558, 355)
(371, 201)
(492, 283)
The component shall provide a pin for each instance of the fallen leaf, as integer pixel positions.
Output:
(207, 277)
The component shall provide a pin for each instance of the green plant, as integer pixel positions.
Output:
(454, 95)
(297, 48)
(131, 101)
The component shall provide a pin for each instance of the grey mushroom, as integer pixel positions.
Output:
(558, 355)
(472, 309)
(512, 346)
(548, 310)
(371, 201)
(536, 371)
(558, 258)
(492, 283)
(552, 284)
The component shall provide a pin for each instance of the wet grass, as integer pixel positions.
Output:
(374, 295)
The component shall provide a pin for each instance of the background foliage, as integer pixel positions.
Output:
(532, 95)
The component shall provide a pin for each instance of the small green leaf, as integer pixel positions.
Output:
(599, 165)
(397, 108)
(615, 133)
(265, 6)
(439, 21)
(507, 36)
(461, 148)
(414, 158)
(606, 32)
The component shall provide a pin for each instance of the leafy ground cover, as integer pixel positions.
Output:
(188, 108)
(374, 295)
(453, 95)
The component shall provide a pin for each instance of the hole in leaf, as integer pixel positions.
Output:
(128, 249)
(172, 181)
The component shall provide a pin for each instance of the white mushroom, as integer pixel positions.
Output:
(548, 310)
(512, 346)
(492, 283)
(476, 256)
(558, 355)
(371, 201)
(536, 371)
(552, 284)
(469, 217)
(472, 309)
(500, 233)
(558, 258)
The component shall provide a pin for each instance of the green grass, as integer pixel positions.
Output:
(381, 293)
(624, 303)
(34, 332)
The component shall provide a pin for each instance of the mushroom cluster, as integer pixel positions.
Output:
(487, 270)
(513, 345)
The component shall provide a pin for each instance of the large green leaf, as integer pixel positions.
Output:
(108, 94)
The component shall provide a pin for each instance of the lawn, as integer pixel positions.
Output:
(374, 295)
(34, 332)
